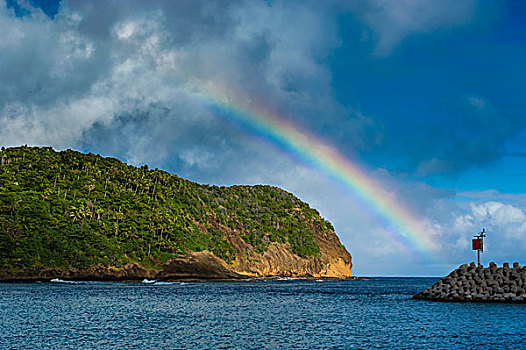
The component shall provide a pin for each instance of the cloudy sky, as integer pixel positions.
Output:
(426, 98)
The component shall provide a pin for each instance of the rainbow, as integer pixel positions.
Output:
(403, 226)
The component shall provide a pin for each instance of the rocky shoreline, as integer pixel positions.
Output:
(133, 273)
(196, 266)
(472, 283)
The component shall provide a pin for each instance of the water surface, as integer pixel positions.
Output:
(250, 315)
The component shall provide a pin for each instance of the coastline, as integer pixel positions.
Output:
(44, 278)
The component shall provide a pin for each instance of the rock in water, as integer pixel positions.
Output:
(472, 283)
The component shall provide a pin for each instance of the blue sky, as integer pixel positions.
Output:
(427, 97)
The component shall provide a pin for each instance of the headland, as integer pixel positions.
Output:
(76, 216)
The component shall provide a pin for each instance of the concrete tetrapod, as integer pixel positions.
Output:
(476, 283)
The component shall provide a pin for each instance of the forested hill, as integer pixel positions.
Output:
(72, 210)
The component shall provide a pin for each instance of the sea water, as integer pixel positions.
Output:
(250, 315)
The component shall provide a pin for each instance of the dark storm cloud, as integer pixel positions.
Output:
(99, 62)
(99, 67)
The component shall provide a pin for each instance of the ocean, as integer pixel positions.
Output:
(278, 314)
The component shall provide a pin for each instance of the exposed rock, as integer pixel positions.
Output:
(278, 260)
(129, 272)
(334, 260)
(491, 284)
(200, 265)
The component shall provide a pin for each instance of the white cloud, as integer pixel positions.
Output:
(505, 225)
(508, 218)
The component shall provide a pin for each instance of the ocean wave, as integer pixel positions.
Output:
(162, 283)
(144, 281)
(58, 280)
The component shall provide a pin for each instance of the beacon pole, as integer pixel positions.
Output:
(478, 244)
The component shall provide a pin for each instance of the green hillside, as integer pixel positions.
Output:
(68, 209)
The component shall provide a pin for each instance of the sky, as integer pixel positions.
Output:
(402, 122)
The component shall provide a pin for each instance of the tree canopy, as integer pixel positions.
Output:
(68, 209)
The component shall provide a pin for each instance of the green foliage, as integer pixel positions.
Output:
(68, 209)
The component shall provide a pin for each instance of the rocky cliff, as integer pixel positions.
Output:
(472, 283)
(202, 265)
(82, 216)
(278, 260)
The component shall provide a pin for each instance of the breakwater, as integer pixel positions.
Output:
(476, 283)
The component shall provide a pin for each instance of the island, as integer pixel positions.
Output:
(70, 215)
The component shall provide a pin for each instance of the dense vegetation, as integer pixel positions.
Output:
(68, 209)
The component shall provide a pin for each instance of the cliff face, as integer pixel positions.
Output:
(279, 260)
(81, 216)
(202, 265)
